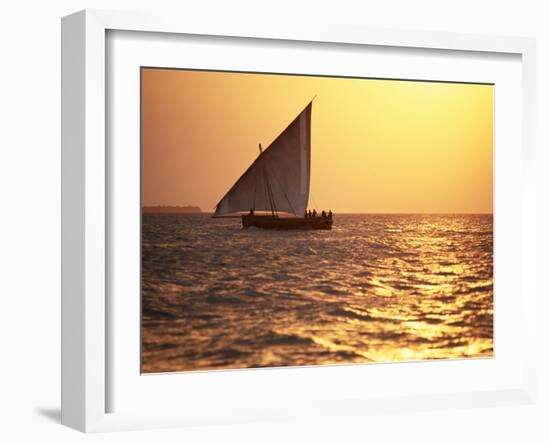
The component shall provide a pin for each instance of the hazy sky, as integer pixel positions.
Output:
(377, 145)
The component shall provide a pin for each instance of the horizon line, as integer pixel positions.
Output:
(341, 213)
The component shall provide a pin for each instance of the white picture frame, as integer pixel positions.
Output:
(85, 206)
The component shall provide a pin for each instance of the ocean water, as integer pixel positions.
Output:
(376, 288)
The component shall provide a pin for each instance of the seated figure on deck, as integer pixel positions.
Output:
(324, 214)
(305, 214)
(330, 214)
(314, 214)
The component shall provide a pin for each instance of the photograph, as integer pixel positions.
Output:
(292, 220)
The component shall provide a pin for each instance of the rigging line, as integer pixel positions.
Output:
(255, 189)
(271, 195)
(273, 198)
(256, 182)
(313, 199)
(286, 196)
(268, 193)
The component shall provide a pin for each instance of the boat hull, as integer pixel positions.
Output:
(271, 222)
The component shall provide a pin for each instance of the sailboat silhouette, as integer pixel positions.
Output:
(273, 192)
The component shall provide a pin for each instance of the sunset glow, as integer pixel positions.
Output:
(378, 146)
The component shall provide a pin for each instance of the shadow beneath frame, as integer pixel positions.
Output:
(51, 414)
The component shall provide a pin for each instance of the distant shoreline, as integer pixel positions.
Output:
(171, 209)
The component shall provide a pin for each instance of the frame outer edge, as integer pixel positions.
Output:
(73, 80)
(529, 217)
(83, 334)
(94, 203)
(83, 197)
(134, 21)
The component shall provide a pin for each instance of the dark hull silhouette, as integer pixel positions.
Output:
(272, 222)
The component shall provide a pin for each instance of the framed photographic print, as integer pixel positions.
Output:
(401, 270)
(271, 223)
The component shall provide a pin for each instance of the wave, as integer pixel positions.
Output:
(377, 287)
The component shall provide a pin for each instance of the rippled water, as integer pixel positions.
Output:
(376, 288)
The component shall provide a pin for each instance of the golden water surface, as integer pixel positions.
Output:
(377, 288)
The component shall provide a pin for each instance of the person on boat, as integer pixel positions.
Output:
(314, 214)
(324, 214)
(330, 214)
(305, 214)
(309, 213)
(251, 213)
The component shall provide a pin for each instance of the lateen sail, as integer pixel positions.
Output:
(279, 178)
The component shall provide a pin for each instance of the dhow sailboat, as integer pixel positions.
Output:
(273, 192)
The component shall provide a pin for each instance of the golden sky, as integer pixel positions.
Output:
(377, 145)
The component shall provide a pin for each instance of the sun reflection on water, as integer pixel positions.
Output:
(377, 288)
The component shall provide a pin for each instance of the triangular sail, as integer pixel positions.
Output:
(279, 178)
